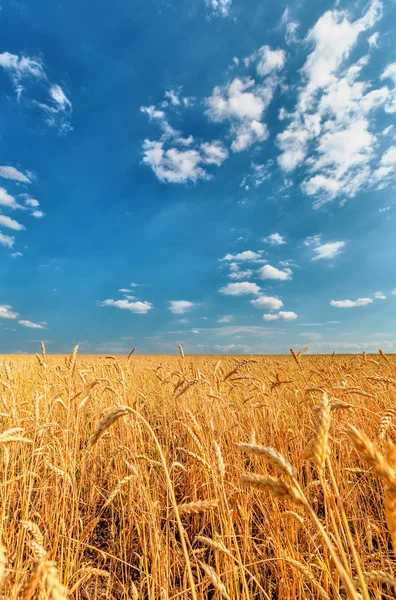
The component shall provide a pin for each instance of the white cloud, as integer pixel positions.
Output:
(180, 166)
(390, 72)
(331, 120)
(350, 303)
(16, 254)
(267, 302)
(237, 274)
(270, 60)
(138, 307)
(312, 240)
(275, 239)
(373, 40)
(290, 26)
(384, 209)
(10, 223)
(389, 157)
(7, 200)
(32, 202)
(6, 240)
(179, 307)
(280, 316)
(37, 214)
(174, 158)
(257, 176)
(214, 153)
(241, 288)
(59, 97)
(269, 272)
(379, 296)
(31, 325)
(333, 37)
(21, 66)
(242, 103)
(246, 255)
(219, 7)
(6, 312)
(330, 250)
(226, 319)
(13, 173)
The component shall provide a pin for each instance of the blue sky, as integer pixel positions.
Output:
(216, 173)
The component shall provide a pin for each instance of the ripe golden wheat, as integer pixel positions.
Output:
(197, 477)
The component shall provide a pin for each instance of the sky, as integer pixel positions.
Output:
(215, 173)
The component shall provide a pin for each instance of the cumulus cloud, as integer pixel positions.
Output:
(37, 214)
(270, 272)
(31, 325)
(179, 307)
(267, 302)
(10, 223)
(270, 60)
(275, 239)
(6, 312)
(180, 166)
(12, 173)
(351, 303)
(246, 255)
(242, 288)
(141, 308)
(280, 316)
(174, 158)
(242, 103)
(332, 121)
(330, 250)
(214, 153)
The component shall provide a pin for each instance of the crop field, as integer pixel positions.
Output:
(194, 477)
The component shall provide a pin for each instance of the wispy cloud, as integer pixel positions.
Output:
(226, 319)
(6, 312)
(219, 7)
(25, 69)
(6, 240)
(31, 325)
(351, 303)
(329, 250)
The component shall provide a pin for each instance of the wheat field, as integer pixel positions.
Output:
(189, 477)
